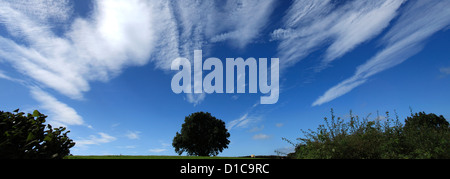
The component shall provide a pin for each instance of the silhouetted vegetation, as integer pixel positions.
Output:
(422, 136)
(201, 135)
(27, 137)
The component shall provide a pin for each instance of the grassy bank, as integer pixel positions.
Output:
(146, 157)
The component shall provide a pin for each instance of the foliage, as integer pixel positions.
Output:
(422, 136)
(27, 137)
(427, 136)
(201, 135)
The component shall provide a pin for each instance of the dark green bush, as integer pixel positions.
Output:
(421, 136)
(427, 136)
(27, 137)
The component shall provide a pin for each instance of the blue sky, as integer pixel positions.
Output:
(102, 68)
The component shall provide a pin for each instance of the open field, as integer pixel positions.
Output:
(146, 157)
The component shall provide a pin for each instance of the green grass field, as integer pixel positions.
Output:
(146, 157)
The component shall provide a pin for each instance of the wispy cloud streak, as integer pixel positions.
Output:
(309, 25)
(418, 22)
(60, 113)
(118, 34)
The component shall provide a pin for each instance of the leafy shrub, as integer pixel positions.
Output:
(427, 136)
(27, 137)
(422, 136)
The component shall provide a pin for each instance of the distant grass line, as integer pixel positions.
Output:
(146, 157)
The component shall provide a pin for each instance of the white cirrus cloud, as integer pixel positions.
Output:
(198, 24)
(260, 137)
(68, 63)
(133, 134)
(309, 25)
(157, 150)
(102, 138)
(44, 10)
(279, 124)
(60, 113)
(132, 32)
(243, 122)
(443, 70)
(407, 37)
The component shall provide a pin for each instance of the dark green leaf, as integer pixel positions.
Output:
(36, 113)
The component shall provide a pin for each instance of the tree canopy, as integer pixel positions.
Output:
(202, 135)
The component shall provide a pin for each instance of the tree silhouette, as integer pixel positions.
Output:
(201, 135)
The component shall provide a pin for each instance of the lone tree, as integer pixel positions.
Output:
(201, 135)
(27, 137)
